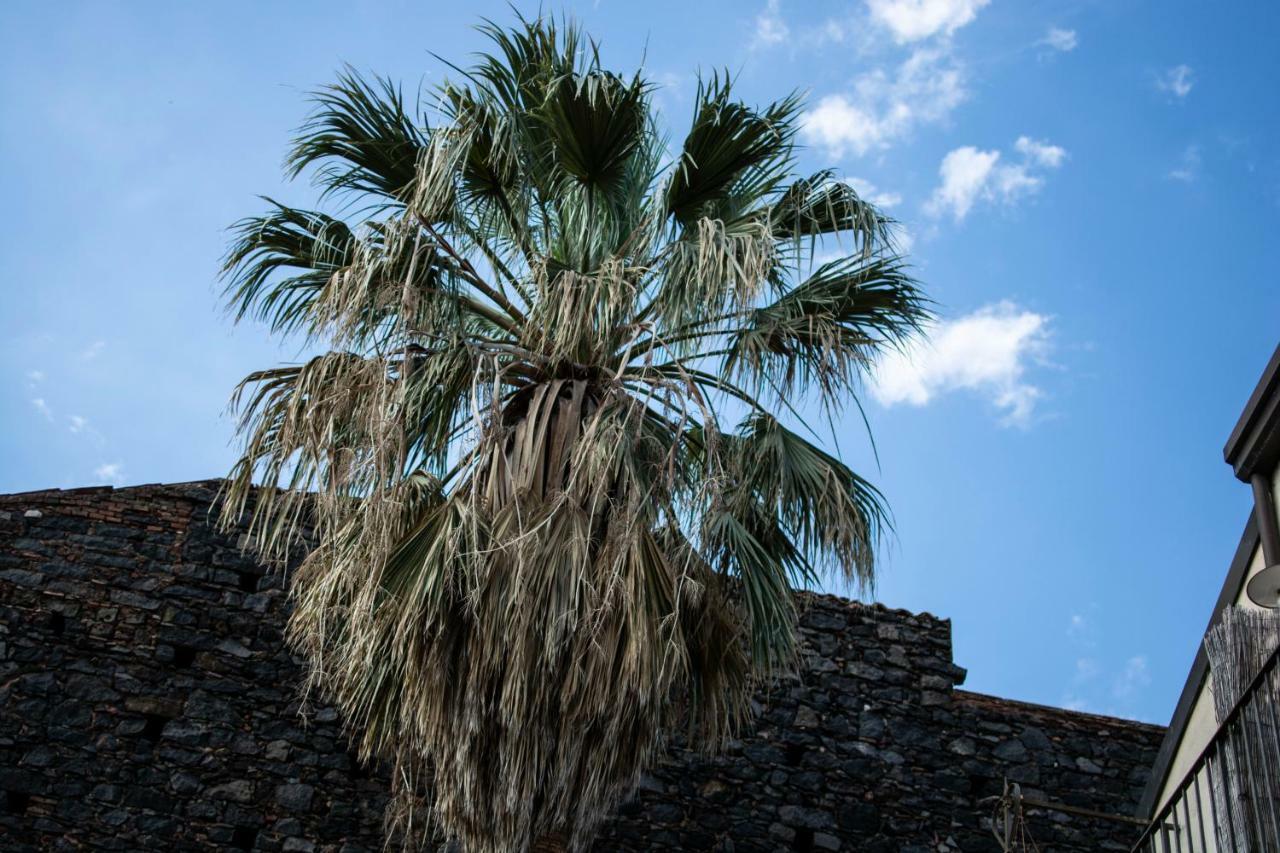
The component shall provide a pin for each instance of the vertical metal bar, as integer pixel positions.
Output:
(1261, 784)
(1262, 771)
(1268, 698)
(1186, 821)
(1270, 702)
(1204, 846)
(1177, 829)
(1255, 770)
(1226, 797)
(1247, 787)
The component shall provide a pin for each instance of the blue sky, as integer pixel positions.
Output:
(1090, 190)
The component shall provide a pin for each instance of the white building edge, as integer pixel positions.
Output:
(1214, 783)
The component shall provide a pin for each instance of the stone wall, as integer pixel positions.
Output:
(874, 750)
(147, 702)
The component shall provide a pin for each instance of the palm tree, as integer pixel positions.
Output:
(544, 459)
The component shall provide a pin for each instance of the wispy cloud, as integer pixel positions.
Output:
(1060, 40)
(43, 408)
(771, 29)
(1087, 669)
(110, 473)
(913, 20)
(93, 350)
(883, 106)
(81, 426)
(1081, 630)
(967, 175)
(1101, 683)
(1188, 168)
(970, 175)
(886, 104)
(873, 194)
(1040, 152)
(35, 377)
(1177, 81)
(987, 353)
(1082, 634)
(1131, 680)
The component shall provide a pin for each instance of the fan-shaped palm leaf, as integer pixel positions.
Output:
(552, 516)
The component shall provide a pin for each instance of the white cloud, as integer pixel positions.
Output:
(81, 426)
(43, 408)
(1087, 669)
(1131, 680)
(903, 239)
(986, 352)
(830, 30)
(1177, 81)
(969, 175)
(1188, 168)
(1060, 39)
(966, 175)
(1082, 631)
(110, 473)
(1102, 684)
(1084, 680)
(35, 376)
(870, 192)
(1049, 156)
(913, 20)
(669, 97)
(770, 28)
(882, 107)
(93, 350)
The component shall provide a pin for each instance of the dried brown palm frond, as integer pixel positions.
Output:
(553, 517)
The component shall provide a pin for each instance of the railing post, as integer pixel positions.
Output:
(1200, 814)
(1186, 824)
(1273, 691)
(1263, 782)
(1226, 798)
(1242, 745)
(1241, 768)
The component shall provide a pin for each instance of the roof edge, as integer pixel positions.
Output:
(974, 697)
(1249, 542)
(1254, 443)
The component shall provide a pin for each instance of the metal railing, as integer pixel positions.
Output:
(1229, 801)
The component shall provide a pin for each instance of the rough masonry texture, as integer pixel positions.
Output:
(148, 702)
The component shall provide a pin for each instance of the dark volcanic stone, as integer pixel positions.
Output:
(147, 702)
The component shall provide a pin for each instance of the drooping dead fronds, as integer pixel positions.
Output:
(537, 547)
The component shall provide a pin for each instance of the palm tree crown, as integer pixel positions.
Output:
(554, 513)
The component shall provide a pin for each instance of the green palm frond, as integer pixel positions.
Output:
(311, 246)
(364, 137)
(549, 461)
(829, 329)
(834, 517)
(821, 205)
(594, 121)
(730, 144)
